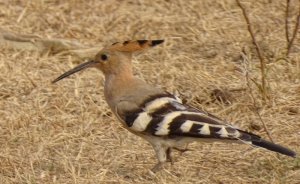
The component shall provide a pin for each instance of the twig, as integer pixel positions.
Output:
(259, 53)
(287, 22)
(253, 99)
(290, 43)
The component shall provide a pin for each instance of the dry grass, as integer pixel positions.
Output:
(65, 133)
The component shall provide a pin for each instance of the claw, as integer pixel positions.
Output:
(157, 167)
(182, 150)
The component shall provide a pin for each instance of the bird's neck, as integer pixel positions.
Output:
(116, 84)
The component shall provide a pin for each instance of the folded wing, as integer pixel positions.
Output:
(164, 115)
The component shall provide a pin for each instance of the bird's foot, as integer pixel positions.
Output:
(159, 166)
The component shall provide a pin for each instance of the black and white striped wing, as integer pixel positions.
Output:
(165, 115)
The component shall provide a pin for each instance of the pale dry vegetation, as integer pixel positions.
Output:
(65, 133)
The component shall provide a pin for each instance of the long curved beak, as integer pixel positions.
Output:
(76, 69)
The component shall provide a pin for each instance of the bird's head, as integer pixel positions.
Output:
(114, 58)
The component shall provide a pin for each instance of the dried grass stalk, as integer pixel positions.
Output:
(296, 29)
(258, 50)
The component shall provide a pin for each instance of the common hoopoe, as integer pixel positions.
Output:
(156, 115)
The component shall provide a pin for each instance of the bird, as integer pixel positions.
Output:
(156, 115)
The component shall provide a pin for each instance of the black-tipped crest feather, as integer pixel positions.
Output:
(156, 42)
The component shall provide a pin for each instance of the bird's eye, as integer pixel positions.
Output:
(104, 57)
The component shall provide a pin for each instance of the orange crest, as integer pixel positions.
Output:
(136, 45)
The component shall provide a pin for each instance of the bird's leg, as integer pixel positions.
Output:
(161, 155)
(169, 151)
(182, 150)
(169, 157)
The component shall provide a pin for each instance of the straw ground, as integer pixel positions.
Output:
(64, 133)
